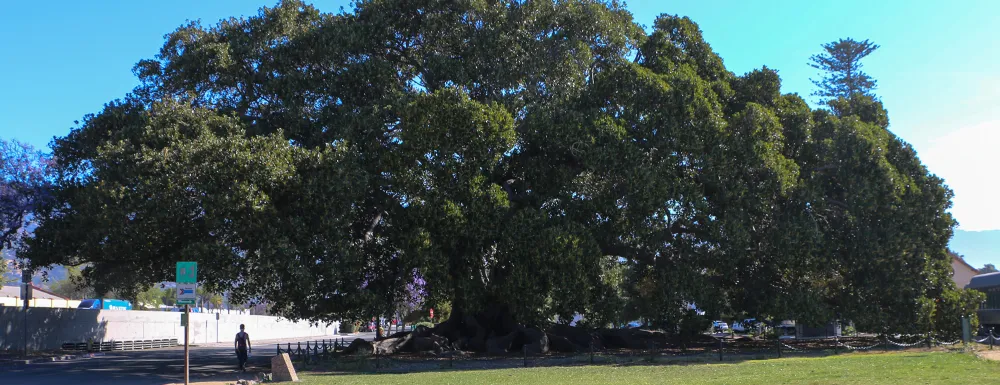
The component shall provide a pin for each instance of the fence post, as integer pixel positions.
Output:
(524, 349)
(289, 351)
(278, 346)
(778, 341)
(591, 351)
(720, 349)
(885, 343)
(991, 338)
(451, 361)
(928, 340)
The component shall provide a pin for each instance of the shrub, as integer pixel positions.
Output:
(424, 324)
(691, 324)
(441, 312)
(951, 307)
(348, 327)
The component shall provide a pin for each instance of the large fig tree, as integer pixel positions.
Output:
(523, 159)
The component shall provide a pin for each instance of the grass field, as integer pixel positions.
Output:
(876, 368)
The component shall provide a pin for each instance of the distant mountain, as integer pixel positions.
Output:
(54, 274)
(977, 247)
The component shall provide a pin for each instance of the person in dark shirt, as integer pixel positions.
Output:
(243, 347)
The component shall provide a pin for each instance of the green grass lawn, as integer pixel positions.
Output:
(885, 368)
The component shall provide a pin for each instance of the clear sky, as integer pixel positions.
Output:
(937, 68)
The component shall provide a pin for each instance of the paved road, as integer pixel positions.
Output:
(212, 362)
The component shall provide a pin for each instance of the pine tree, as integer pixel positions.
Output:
(840, 67)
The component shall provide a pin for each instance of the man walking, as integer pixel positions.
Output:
(243, 347)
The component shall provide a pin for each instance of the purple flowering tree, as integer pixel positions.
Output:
(414, 294)
(25, 186)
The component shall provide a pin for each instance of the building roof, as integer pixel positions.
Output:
(984, 280)
(962, 261)
(37, 292)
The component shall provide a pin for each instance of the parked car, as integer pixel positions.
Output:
(720, 327)
(746, 326)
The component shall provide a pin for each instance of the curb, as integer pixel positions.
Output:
(51, 359)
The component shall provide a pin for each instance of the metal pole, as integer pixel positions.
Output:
(26, 289)
(25, 350)
(991, 338)
(720, 349)
(187, 328)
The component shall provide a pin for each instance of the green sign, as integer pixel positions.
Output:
(187, 272)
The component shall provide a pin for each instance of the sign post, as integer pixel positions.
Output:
(187, 288)
(26, 291)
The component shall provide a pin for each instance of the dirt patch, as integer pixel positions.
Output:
(989, 354)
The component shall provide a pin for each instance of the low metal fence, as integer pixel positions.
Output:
(107, 346)
(313, 350)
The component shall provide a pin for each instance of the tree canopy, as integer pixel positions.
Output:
(841, 69)
(545, 158)
(24, 184)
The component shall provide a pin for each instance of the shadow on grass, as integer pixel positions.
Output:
(423, 364)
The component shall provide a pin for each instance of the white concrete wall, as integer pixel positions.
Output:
(40, 302)
(49, 328)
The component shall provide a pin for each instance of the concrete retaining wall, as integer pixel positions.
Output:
(49, 328)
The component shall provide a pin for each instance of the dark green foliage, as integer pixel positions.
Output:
(841, 69)
(692, 325)
(515, 154)
(951, 306)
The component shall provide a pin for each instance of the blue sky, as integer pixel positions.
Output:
(936, 69)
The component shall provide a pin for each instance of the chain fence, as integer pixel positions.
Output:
(328, 353)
